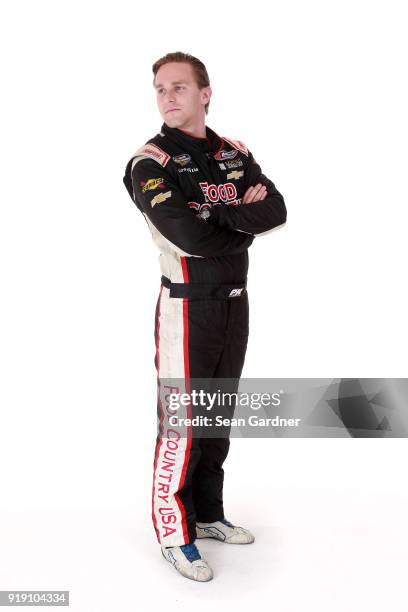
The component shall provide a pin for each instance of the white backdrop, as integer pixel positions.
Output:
(318, 93)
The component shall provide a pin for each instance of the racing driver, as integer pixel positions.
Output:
(205, 199)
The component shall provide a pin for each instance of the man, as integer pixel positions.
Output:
(204, 199)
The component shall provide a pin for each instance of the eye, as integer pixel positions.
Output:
(179, 87)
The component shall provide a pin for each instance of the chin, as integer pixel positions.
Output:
(174, 121)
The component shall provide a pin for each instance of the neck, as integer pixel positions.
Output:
(195, 128)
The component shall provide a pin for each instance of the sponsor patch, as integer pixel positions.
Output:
(154, 152)
(160, 197)
(235, 174)
(187, 170)
(235, 292)
(183, 159)
(236, 163)
(215, 194)
(151, 184)
(223, 154)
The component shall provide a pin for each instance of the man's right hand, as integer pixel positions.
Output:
(254, 194)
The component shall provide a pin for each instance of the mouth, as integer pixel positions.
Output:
(172, 110)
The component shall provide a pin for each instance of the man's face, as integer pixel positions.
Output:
(181, 103)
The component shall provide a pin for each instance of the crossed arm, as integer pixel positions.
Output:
(164, 205)
(262, 209)
(229, 230)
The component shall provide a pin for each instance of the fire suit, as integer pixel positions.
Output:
(190, 192)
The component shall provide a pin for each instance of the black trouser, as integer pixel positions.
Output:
(195, 339)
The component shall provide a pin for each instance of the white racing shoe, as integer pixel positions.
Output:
(188, 561)
(225, 532)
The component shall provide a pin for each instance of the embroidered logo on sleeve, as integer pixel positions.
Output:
(154, 152)
(160, 197)
(151, 184)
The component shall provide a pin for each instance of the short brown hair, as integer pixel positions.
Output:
(200, 71)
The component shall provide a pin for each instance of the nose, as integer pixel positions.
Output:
(170, 96)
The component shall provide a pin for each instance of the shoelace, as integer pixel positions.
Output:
(191, 552)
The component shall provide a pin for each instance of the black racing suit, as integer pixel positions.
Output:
(190, 192)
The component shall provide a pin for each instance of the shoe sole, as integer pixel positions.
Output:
(224, 541)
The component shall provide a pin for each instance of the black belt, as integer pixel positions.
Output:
(203, 290)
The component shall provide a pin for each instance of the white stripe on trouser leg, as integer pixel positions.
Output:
(174, 444)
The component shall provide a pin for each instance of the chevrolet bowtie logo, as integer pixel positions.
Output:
(160, 198)
(235, 174)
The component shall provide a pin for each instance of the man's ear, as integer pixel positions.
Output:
(206, 93)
